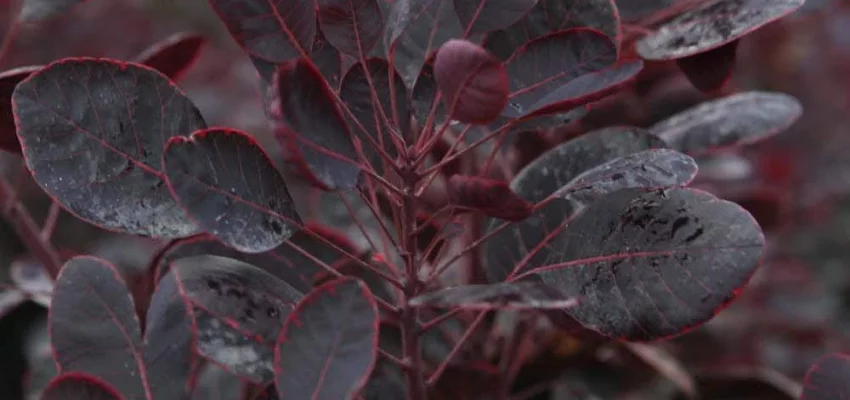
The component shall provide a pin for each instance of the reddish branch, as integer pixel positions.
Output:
(28, 231)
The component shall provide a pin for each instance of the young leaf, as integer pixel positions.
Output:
(709, 70)
(550, 16)
(506, 250)
(175, 55)
(735, 120)
(357, 93)
(273, 31)
(329, 344)
(415, 30)
(238, 311)
(531, 294)
(827, 378)
(711, 25)
(229, 186)
(41, 10)
(99, 156)
(286, 262)
(548, 62)
(649, 169)
(352, 26)
(8, 80)
(474, 84)
(78, 386)
(581, 90)
(313, 127)
(492, 197)
(651, 264)
(483, 16)
(92, 309)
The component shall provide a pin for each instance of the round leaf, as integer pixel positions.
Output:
(827, 378)
(78, 386)
(474, 84)
(229, 186)
(92, 133)
(174, 55)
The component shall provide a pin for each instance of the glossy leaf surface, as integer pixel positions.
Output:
(827, 378)
(735, 120)
(92, 309)
(99, 155)
(238, 310)
(652, 264)
(175, 55)
(230, 187)
(272, 30)
(523, 295)
(77, 386)
(313, 127)
(329, 344)
(649, 169)
(710, 26)
(549, 62)
(474, 84)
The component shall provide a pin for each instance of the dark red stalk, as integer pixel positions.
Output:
(28, 231)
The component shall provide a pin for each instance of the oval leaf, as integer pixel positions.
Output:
(8, 80)
(482, 16)
(175, 55)
(549, 62)
(473, 83)
(735, 120)
(352, 26)
(524, 295)
(650, 169)
(229, 186)
(313, 128)
(92, 309)
(550, 16)
(827, 378)
(550, 172)
(99, 156)
(77, 386)
(329, 344)
(652, 264)
(274, 31)
(492, 197)
(710, 26)
(238, 311)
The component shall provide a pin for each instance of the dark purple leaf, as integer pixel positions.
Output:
(524, 295)
(549, 62)
(216, 383)
(272, 30)
(238, 312)
(268, 393)
(482, 16)
(709, 70)
(367, 89)
(492, 197)
(78, 386)
(423, 99)
(735, 120)
(8, 80)
(827, 378)
(329, 344)
(582, 90)
(474, 84)
(41, 10)
(651, 264)
(415, 30)
(543, 177)
(327, 58)
(313, 127)
(631, 10)
(649, 169)
(550, 16)
(175, 55)
(286, 262)
(92, 133)
(94, 330)
(352, 26)
(231, 188)
(711, 25)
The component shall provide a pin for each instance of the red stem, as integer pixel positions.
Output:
(28, 231)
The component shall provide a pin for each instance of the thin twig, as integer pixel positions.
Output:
(28, 231)
(456, 349)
